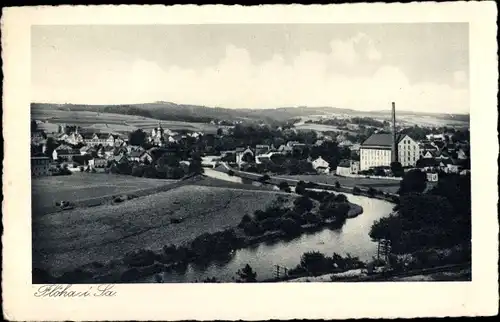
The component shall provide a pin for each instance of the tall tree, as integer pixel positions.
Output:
(137, 137)
(413, 181)
(247, 274)
(34, 126)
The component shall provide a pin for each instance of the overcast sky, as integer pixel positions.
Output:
(422, 67)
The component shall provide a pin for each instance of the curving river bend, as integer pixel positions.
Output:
(352, 238)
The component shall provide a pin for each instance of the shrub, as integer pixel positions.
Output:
(340, 198)
(337, 185)
(283, 185)
(290, 227)
(303, 204)
(311, 218)
(169, 249)
(75, 276)
(40, 276)
(130, 275)
(149, 172)
(264, 178)
(210, 280)
(230, 173)
(122, 198)
(260, 215)
(300, 190)
(315, 263)
(297, 217)
(216, 244)
(252, 228)
(245, 219)
(371, 192)
(176, 220)
(246, 274)
(356, 191)
(137, 171)
(270, 224)
(139, 258)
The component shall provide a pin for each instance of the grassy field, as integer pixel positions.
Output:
(385, 185)
(66, 240)
(45, 191)
(321, 128)
(109, 122)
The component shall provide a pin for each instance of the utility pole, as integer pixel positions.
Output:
(281, 271)
(384, 249)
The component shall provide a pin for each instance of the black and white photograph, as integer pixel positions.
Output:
(243, 153)
(285, 154)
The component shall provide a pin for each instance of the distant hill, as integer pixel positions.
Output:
(203, 114)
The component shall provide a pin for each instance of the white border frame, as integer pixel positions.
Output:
(253, 301)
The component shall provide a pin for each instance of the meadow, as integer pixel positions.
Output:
(65, 240)
(45, 191)
(385, 185)
(321, 128)
(110, 122)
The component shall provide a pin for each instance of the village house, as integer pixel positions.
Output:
(146, 158)
(62, 137)
(343, 168)
(429, 154)
(345, 143)
(95, 139)
(262, 149)
(108, 151)
(63, 147)
(40, 166)
(65, 155)
(321, 166)
(347, 168)
(118, 159)
(242, 155)
(134, 156)
(85, 149)
(87, 137)
(353, 127)
(130, 148)
(159, 136)
(74, 138)
(428, 164)
(97, 163)
(432, 137)
(38, 137)
(318, 142)
(285, 149)
(432, 176)
(450, 166)
(462, 154)
(355, 147)
(263, 158)
(123, 150)
(119, 141)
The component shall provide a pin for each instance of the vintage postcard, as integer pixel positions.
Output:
(271, 162)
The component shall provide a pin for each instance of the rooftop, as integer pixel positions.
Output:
(382, 140)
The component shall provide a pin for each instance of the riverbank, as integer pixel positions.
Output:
(454, 272)
(371, 188)
(118, 270)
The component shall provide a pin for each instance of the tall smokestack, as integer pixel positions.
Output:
(394, 150)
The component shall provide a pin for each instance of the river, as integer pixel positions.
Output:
(352, 238)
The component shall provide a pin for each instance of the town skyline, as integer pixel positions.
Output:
(422, 67)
